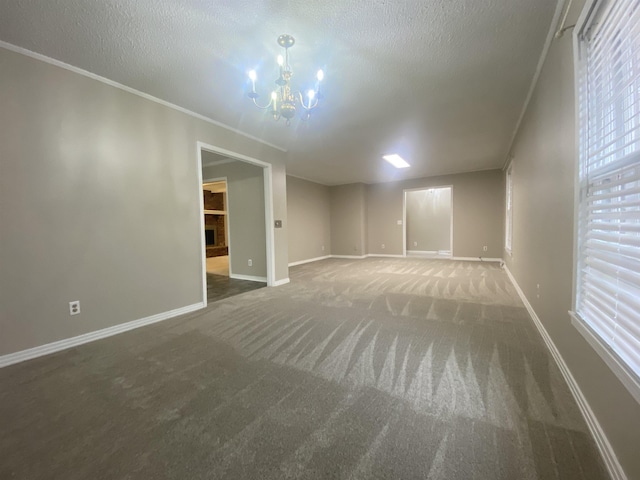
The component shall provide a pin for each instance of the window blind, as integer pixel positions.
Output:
(608, 270)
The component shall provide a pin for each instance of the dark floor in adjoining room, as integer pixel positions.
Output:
(358, 369)
(221, 286)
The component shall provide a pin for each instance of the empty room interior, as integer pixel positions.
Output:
(320, 239)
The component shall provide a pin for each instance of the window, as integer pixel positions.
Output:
(508, 224)
(607, 304)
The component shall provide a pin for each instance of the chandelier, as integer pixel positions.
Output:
(283, 98)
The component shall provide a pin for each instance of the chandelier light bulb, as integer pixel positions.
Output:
(311, 94)
(320, 75)
(280, 60)
(252, 75)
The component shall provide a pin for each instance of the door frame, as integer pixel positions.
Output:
(268, 207)
(404, 215)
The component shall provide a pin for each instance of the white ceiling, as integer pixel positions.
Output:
(442, 82)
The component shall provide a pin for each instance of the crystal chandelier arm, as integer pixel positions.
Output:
(312, 94)
(260, 106)
(253, 95)
(312, 104)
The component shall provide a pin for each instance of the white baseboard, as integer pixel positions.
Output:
(607, 452)
(252, 278)
(277, 283)
(435, 257)
(477, 259)
(21, 356)
(309, 260)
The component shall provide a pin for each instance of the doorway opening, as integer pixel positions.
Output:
(236, 223)
(216, 226)
(428, 222)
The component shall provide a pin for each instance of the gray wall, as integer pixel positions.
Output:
(428, 217)
(309, 217)
(478, 213)
(348, 219)
(99, 200)
(280, 213)
(543, 185)
(245, 215)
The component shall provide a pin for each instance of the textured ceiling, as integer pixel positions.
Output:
(442, 82)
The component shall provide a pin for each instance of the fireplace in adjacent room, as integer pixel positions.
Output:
(211, 235)
(215, 223)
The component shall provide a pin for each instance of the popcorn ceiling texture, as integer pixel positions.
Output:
(442, 82)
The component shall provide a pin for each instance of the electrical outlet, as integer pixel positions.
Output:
(323, 248)
(415, 244)
(383, 246)
(250, 263)
(484, 249)
(399, 222)
(74, 307)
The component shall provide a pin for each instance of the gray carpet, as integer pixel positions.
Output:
(221, 286)
(367, 369)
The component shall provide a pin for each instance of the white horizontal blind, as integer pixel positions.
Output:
(608, 288)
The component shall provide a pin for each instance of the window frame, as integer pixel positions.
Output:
(629, 378)
(508, 221)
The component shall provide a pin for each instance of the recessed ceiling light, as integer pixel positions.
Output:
(396, 160)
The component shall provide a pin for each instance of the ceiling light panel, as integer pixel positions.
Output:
(396, 160)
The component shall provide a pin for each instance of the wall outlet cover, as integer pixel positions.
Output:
(74, 307)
